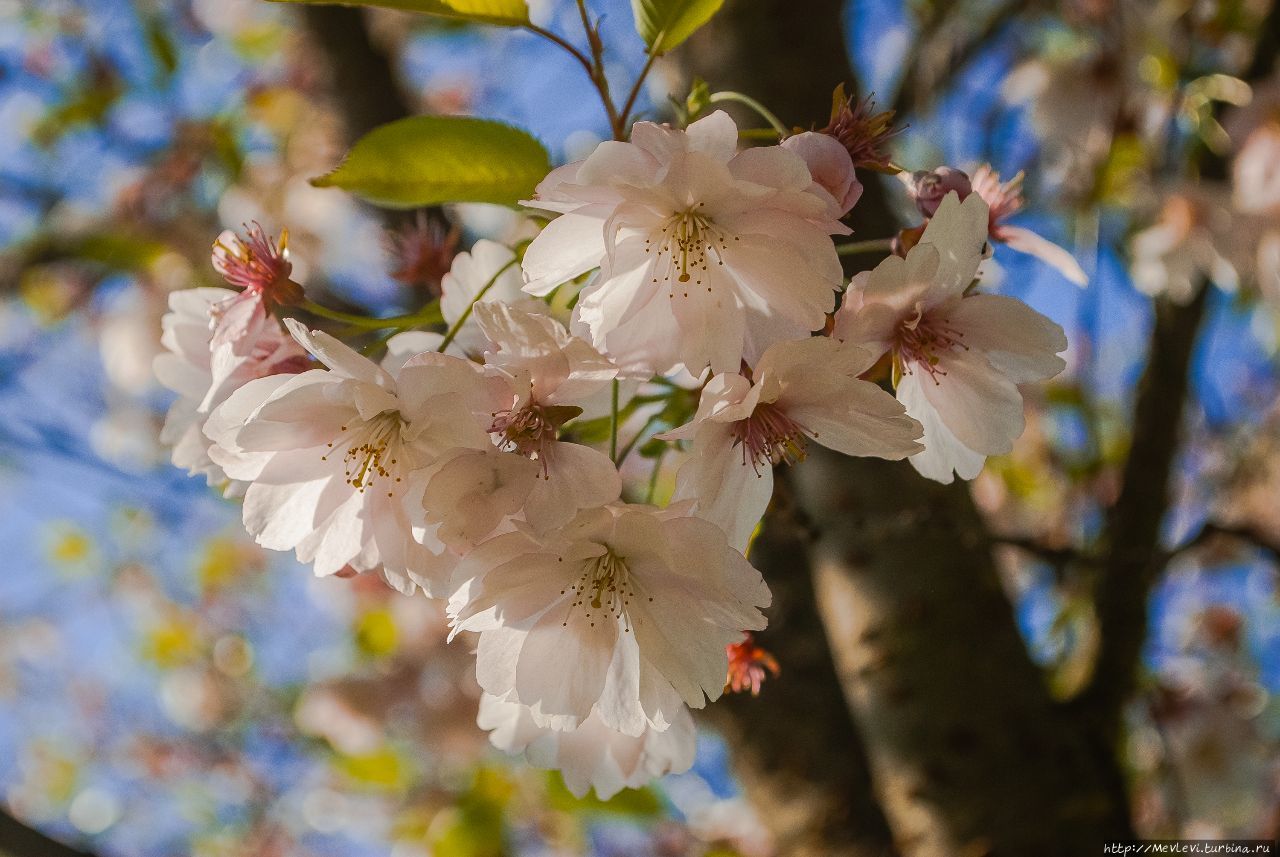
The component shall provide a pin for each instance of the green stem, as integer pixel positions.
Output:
(757, 133)
(653, 477)
(649, 423)
(430, 314)
(613, 423)
(872, 245)
(452, 333)
(747, 101)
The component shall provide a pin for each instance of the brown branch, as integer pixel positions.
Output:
(1060, 558)
(1213, 531)
(20, 840)
(363, 83)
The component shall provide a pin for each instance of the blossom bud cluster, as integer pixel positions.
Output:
(459, 465)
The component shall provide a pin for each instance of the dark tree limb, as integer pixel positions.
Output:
(362, 81)
(20, 840)
(1213, 531)
(968, 753)
(1133, 558)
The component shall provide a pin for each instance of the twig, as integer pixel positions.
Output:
(1212, 530)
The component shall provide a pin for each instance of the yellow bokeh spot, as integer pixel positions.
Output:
(382, 769)
(376, 633)
(171, 643)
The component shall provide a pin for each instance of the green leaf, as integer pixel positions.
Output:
(428, 160)
(504, 13)
(664, 24)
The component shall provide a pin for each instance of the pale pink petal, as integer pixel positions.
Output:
(1026, 241)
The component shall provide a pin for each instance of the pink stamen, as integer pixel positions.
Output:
(257, 264)
(769, 437)
(923, 341)
(529, 431)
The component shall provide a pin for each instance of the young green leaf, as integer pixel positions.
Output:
(664, 24)
(428, 160)
(505, 13)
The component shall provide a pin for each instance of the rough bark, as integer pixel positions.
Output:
(795, 746)
(969, 754)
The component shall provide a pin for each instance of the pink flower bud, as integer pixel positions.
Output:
(830, 165)
(928, 188)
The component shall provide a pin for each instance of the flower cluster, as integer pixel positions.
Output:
(708, 302)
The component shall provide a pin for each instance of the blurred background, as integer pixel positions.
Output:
(167, 688)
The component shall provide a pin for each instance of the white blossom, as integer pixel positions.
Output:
(329, 454)
(590, 755)
(626, 611)
(801, 390)
(958, 356)
(488, 274)
(185, 368)
(706, 254)
(547, 374)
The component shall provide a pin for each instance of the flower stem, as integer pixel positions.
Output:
(452, 333)
(429, 314)
(613, 423)
(873, 245)
(653, 477)
(631, 444)
(747, 101)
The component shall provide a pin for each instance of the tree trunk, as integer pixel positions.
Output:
(968, 753)
(795, 747)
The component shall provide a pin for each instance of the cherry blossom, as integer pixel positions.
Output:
(329, 454)
(1177, 254)
(706, 254)
(185, 368)
(957, 356)
(1255, 171)
(260, 268)
(801, 390)
(863, 132)
(546, 373)
(927, 188)
(590, 755)
(640, 601)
